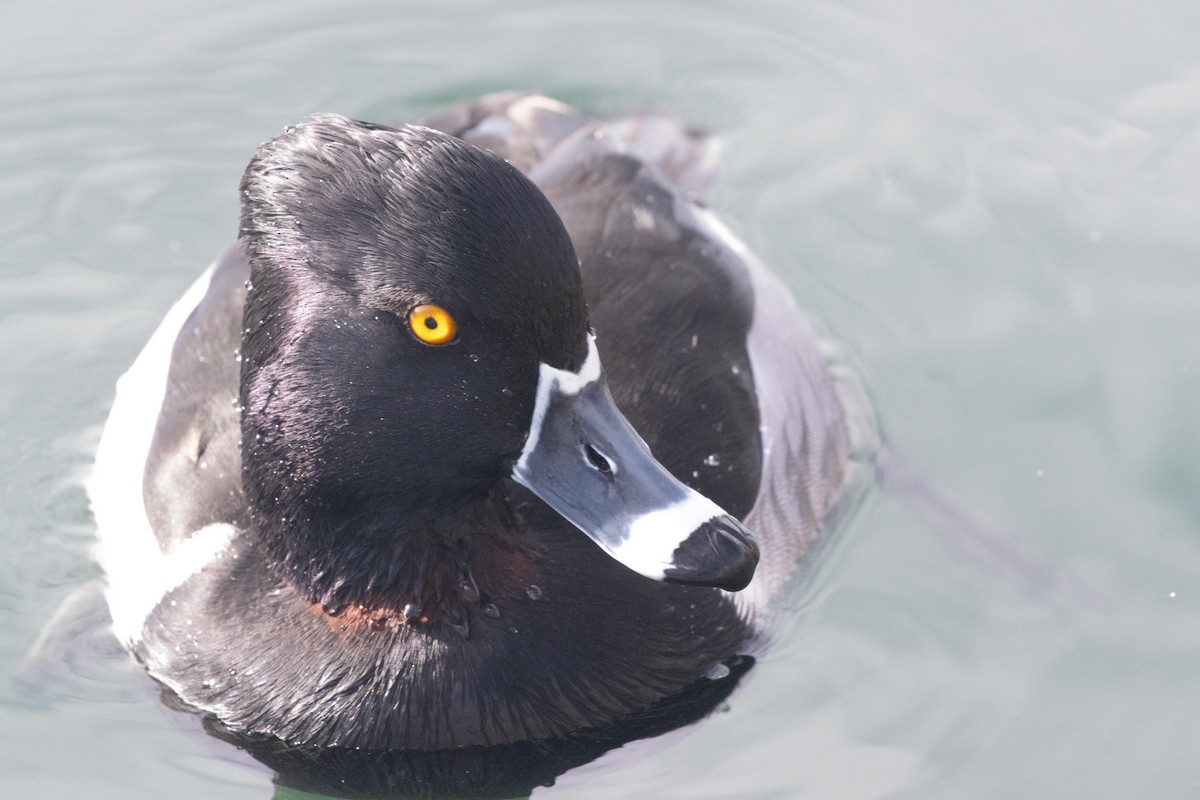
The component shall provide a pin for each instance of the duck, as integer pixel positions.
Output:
(484, 431)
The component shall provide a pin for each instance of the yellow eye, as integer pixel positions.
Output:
(432, 324)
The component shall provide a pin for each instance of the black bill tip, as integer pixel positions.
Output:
(720, 553)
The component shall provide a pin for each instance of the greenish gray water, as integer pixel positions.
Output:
(993, 207)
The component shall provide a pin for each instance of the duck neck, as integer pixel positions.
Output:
(374, 561)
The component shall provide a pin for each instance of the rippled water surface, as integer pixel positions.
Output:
(993, 207)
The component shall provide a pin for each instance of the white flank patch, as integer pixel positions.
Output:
(655, 535)
(553, 381)
(139, 572)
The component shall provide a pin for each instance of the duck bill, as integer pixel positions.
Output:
(585, 460)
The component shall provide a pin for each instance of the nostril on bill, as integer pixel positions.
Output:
(597, 459)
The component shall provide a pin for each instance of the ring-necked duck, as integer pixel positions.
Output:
(368, 485)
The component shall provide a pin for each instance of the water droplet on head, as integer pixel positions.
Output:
(490, 610)
(713, 460)
(717, 671)
(534, 592)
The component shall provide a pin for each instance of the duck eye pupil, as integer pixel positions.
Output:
(431, 323)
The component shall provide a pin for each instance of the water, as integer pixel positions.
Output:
(991, 206)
